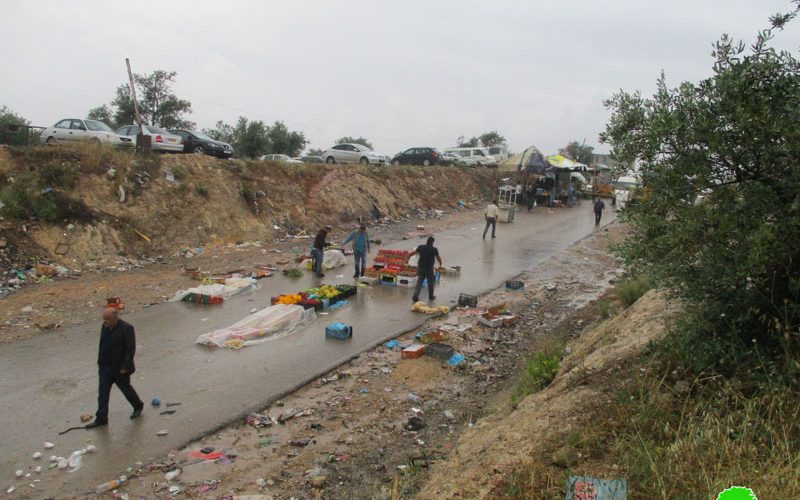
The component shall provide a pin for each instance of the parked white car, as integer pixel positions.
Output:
(475, 156)
(352, 153)
(160, 140)
(76, 129)
(277, 157)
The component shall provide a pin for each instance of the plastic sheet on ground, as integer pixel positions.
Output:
(331, 259)
(265, 325)
(232, 286)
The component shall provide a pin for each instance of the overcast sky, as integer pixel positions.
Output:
(401, 73)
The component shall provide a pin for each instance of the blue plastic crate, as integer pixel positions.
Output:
(339, 331)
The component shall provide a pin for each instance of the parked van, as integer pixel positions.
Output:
(480, 156)
(500, 153)
(623, 187)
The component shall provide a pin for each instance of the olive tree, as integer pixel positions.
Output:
(719, 222)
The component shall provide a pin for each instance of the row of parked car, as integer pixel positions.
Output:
(192, 141)
(358, 153)
(161, 140)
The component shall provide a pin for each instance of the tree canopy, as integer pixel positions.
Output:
(354, 140)
(578, 152)
(487, 139)
(720, 218)
(253, 138)
(158, 103)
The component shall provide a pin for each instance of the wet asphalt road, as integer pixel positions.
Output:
(47, 382)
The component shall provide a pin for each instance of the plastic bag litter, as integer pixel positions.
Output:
(331, 259)
(232, 286)
(265, 325)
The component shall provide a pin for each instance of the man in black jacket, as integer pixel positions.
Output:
(425, 270)
(115, 362)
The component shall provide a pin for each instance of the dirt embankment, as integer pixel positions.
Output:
(533, 439)
(147, 207)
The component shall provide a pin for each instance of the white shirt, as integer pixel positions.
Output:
(492, 210)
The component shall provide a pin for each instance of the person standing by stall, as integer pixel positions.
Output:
(318, 250)
(531, 195)
(360, 240)
(490, 215)
(425, 270)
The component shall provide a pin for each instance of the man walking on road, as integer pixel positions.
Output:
(598, 210)
(427, 253)
(318, 250)
(360, 240)
(115, 362)
(491, 217)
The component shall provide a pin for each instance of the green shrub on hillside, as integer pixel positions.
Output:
(539, 371)
(630, 290)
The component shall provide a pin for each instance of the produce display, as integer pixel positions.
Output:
(423, 308)
(290, 299)
(324, 291)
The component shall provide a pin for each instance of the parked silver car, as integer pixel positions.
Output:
(352, 153)
(160, 140)
(77, 129)
(279, 157)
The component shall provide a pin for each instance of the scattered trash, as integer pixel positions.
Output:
(155, 402)
(413, 351)
(299, 442)
(207, 449)
(38, 469)
(174, 489)
(392, 344)
(449, 415)
(173, 404)
(174, 473)
(48, 445)
(162, 432)
(515, 285)
(440, 351)
(413, 397)
(167, 412)
(37, 455)
(208, 485)
(85, 418)
(19, 473)
(11, 489)
(213, 455)
(456, 360)
(259, 420)
(414, 424)
(292, 413)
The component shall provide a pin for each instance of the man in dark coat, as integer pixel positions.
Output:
(115, 362)
(318, 250)
(598, 210)
(427, 253)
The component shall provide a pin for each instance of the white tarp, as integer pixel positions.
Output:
(330, 259)
(265, 325)
(232, 286)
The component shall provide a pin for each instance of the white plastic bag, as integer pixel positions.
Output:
(232, 286)
(265, 325)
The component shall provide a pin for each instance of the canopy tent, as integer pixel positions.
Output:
(578, 177)
(533, 161)
(561, 162)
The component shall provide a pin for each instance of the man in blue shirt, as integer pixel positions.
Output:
(360, 240)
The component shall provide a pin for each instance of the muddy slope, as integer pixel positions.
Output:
(155, 206)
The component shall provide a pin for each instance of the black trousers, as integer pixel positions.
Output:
(490, 221)
(597, 216)
(109, 377)
(424, 274)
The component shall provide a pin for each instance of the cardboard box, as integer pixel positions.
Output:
(490, 320)
(406, 281)
(369, 280)
(413, 351)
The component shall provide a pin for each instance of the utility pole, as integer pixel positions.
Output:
(142, 141)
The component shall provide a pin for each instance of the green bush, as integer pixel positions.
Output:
(58, 175)
(201, 190)
(539, 371)
(732, 256)
(630, 290)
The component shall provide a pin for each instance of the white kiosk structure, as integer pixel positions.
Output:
(507, 203)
